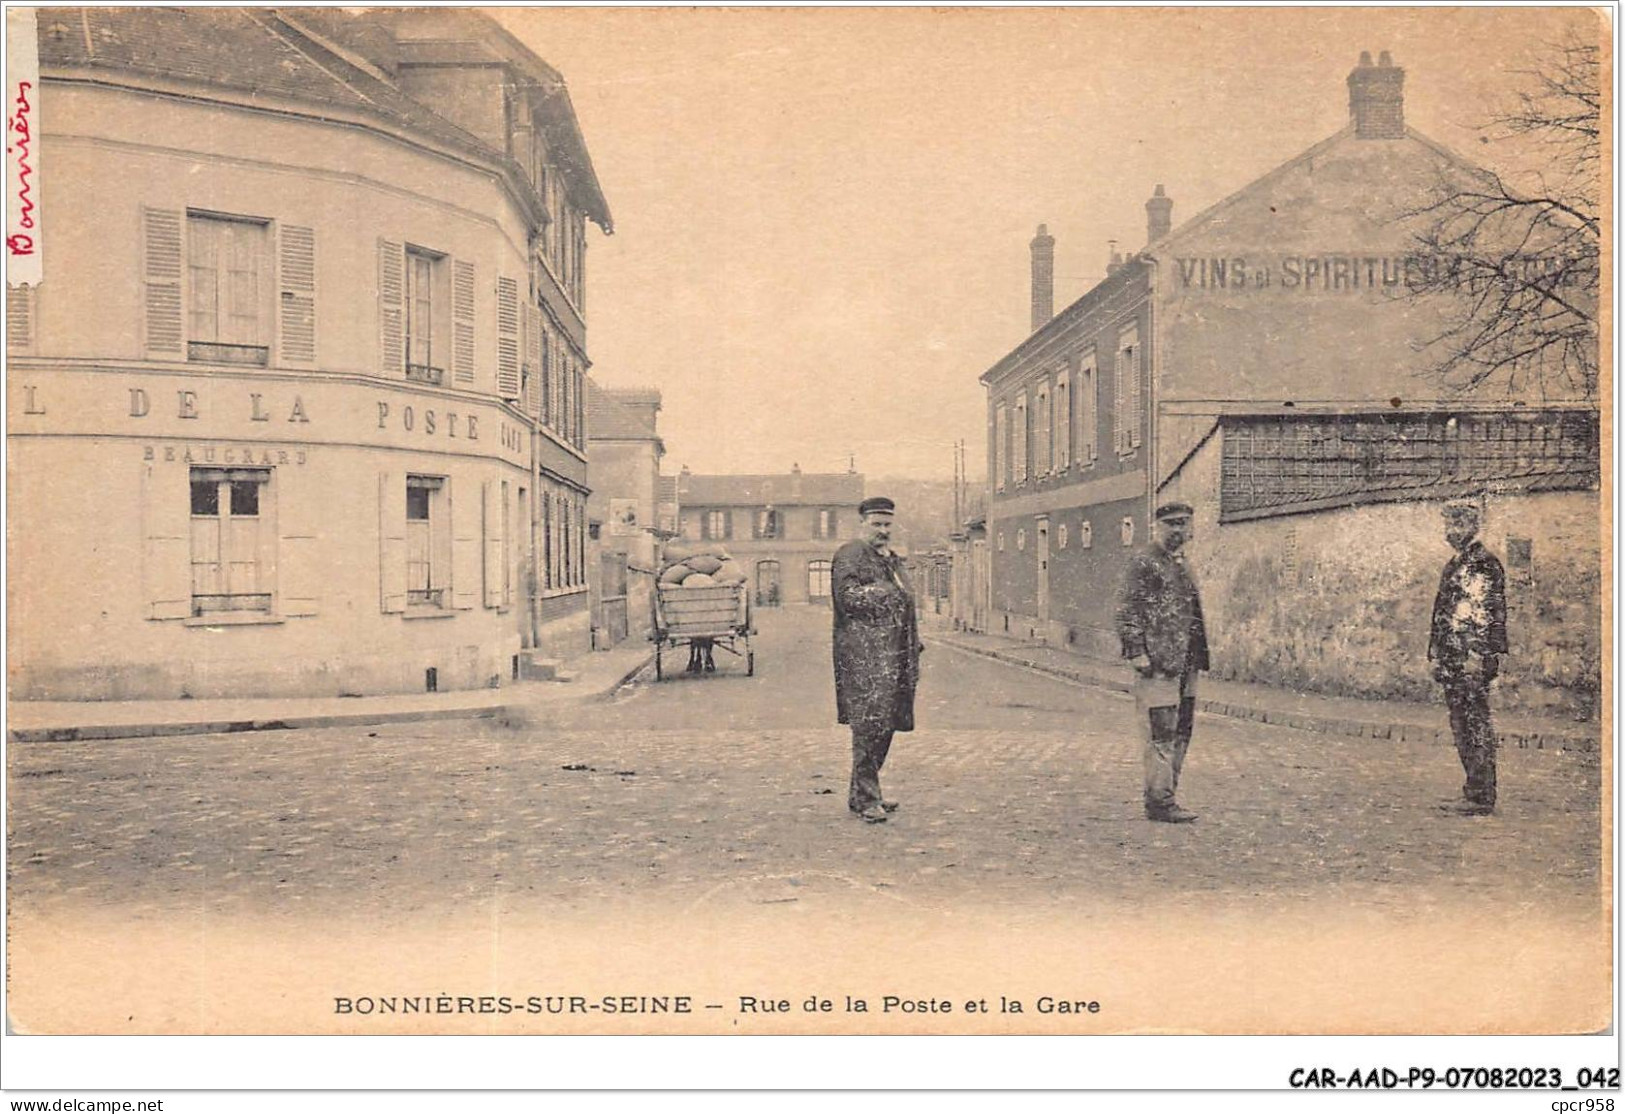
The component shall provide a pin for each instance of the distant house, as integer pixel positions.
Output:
(624, 451)
(783, 528)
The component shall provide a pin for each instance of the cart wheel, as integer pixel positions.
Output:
(657, 662)
(750, 663)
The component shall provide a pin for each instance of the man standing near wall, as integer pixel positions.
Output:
(1468, 637)
(1159, 622)
(877, 652)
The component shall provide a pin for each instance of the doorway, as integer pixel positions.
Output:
(1042, 552)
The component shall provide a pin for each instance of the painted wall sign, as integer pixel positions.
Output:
(223, 454)
(1351, 273)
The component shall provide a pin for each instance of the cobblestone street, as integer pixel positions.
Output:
(697, 797)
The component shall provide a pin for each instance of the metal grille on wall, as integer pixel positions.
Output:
(1277, 464)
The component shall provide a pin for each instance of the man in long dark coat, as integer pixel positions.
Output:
(1465, 645)
(1164, 637)
(877, 652)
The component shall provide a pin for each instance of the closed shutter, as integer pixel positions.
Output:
(166, 553)
(466, 516)
(296, 302)
(492, 516)
(162, 333)
(462, 321)
(20, 318)
(508, 339)
(300, 571)
(533, 360)
(391, 542)
(1136, 408)
(1120, 403)
(391, 316)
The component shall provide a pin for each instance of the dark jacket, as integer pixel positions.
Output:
(877, 642)
(1160, 615)
(1469, 614)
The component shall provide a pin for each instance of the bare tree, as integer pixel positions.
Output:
(1516, 264)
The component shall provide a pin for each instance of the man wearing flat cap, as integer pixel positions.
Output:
(1465, 645)
(877, 652)
(1160, 625)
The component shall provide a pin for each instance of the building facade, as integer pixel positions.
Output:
(310, 358)
(784, 529)
(624, 451)
(1269, 362)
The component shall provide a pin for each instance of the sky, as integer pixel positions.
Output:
(822, 215)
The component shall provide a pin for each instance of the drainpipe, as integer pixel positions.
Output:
(1153, 426)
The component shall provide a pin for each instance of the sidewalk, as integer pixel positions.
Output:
(1331, 715)
(594, 676)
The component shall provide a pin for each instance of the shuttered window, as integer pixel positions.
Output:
(232, 550)
(1001, 438)
(228, 288)
(1128, 403)
(1063, 420)
(1088, 409)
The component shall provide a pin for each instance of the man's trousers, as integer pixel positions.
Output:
(1469, 704)
(1166, 710)
(869, 748)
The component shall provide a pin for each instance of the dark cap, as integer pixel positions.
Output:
(877, 503)
(1464, 508)
(1175, 512)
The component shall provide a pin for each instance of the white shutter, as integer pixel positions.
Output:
(20, 307)
(507, 338)
(391, 317)
(1119, 404)
(462, 320)
(300, 571)
(466, 517)
(391, 542)
(296, 275)
(163, 332)
(1135, 405)
(1063, 422)
(492, 516)
(166, 553)
(533, 360)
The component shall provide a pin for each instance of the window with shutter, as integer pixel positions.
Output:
(163, 329)
(1128, 390)
(231, 540)
(1088, 410)
(1063, 420)
(1020, 435)
(462, 320)
(391, 298)
(1120, 404)
(508, 338)
(228, 295)
(1136, 396)
(296, 302)
(533, 360)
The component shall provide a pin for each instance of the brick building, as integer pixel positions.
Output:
(1267, 362)
(784, 529)
(310, 358)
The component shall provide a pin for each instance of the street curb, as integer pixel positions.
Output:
(1302, 721)
(239, 726)
(93, 731)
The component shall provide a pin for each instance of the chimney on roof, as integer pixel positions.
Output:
(1043, 248)
(1377, 98)
(1114, 260)
(682, 480)
(1159, 216)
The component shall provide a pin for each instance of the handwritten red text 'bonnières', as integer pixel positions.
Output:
(23, 136)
